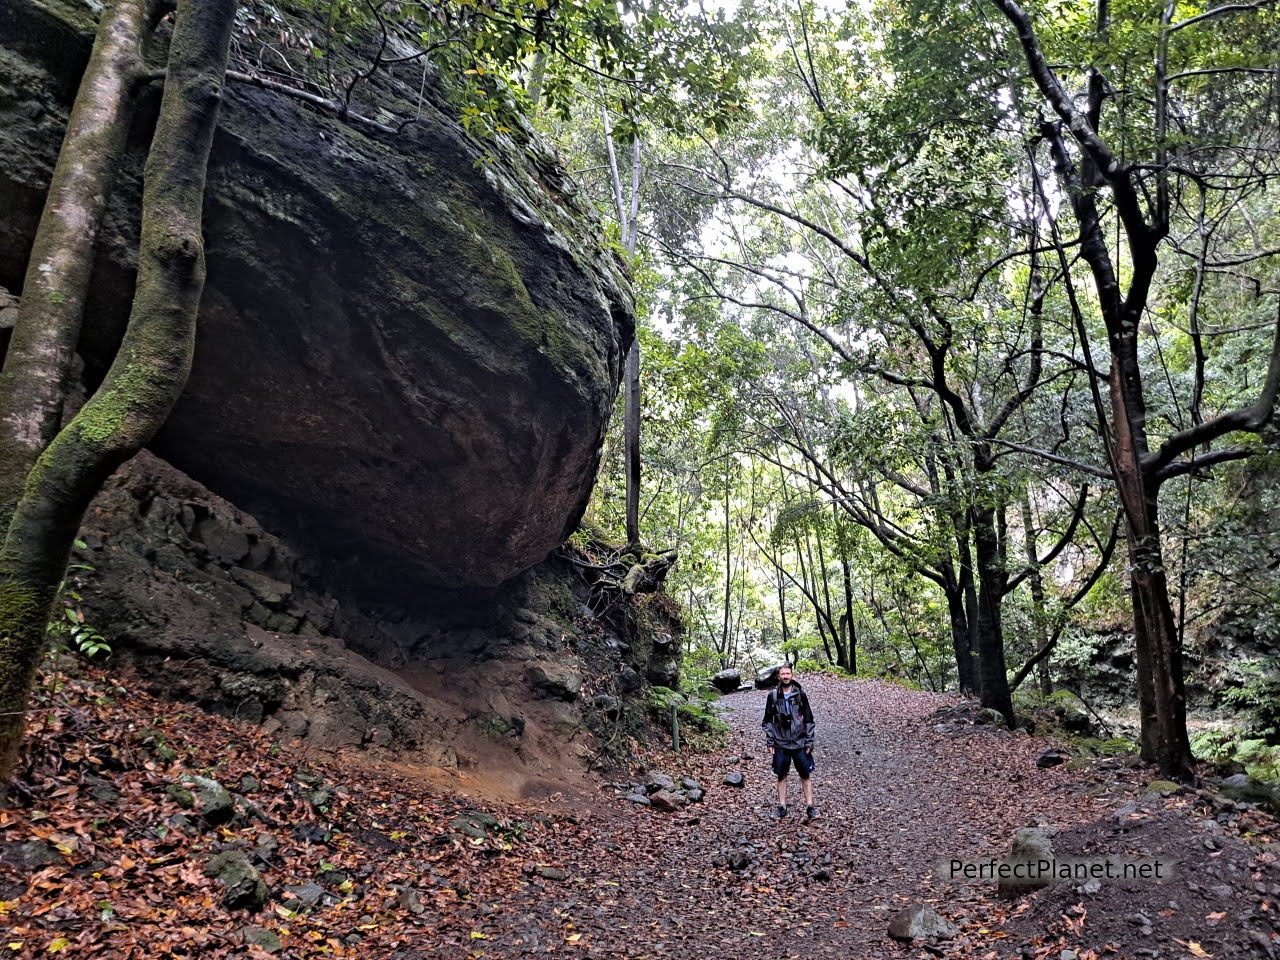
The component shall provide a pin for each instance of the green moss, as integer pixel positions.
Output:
(102, 419)
(553, 598)
(497, 726)
(22, 633)
(77, 15)
(20, 607)
(181, 796)
(1116, 747)
(481, 252)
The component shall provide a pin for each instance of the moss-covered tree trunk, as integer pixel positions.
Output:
(38, 364)
(149, 371)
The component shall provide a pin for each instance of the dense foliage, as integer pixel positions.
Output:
(953, 322)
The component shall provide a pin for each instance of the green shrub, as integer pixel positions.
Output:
(702, 715)
(1078, 649)
(67, 630)
(664, 698)
(1260, 759)
(1258, 696)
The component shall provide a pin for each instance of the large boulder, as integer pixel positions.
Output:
(767, 677)
(409, 345)
(727, 681)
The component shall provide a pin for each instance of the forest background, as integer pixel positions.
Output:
(958, 351)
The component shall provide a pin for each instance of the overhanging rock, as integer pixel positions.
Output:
(408, 347)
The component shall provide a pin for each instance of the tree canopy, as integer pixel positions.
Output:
(993, 288)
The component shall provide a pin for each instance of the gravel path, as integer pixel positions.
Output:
(895, 797)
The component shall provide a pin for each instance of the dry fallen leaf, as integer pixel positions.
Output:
(1194, 948)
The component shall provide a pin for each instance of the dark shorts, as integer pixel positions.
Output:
(782, 762)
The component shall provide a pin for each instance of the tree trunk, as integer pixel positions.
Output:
(627, 214)
(38, 364)
(958, 616)
(1039, 615)
(728, 570)
(631, 431)
(837, 640)
(782, 606)
(963, 607)
(991, 579)
(1144, 221)
(631, 369)
(850, 638)
(1162, 701)
(826, 629)
(148, 373)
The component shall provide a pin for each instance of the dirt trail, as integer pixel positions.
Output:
(895, 798)
(106, 852)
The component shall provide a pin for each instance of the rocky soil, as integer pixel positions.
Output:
(515, 688)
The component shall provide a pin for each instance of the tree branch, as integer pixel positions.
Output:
(1097, 149)
(1067, 537)
(1103, 562)
(1085, 468)
(331, 107)
(1203, 462)
(1219, 11)
(1250, 419)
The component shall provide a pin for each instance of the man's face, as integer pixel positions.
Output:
(784, 676)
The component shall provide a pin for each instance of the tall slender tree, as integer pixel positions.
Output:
(1124, 182)
(154, 359)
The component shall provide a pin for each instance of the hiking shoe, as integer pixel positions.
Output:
(810, 813)
(782, 811)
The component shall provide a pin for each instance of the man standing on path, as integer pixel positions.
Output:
(788, 731)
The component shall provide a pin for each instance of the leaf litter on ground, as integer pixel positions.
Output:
(104, 845)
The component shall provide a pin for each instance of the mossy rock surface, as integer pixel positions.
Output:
(408, 346)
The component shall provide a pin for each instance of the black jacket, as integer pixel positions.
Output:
(790, 730)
